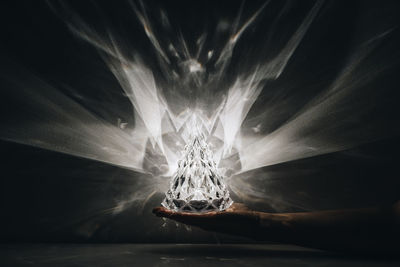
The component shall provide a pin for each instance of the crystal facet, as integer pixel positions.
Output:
(197, 185)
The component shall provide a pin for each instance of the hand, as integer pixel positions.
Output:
(373, 229)
(237, 220)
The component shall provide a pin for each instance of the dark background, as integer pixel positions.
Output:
(48, 196)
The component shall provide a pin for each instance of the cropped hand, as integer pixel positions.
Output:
(238, 219)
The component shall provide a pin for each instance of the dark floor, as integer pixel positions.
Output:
(177, 255)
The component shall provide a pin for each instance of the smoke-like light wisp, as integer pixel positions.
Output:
(311, 130)
(53, 121)
(163, 108)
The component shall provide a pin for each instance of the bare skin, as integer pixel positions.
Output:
(362, 230)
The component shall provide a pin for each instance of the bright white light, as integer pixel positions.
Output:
(195, 94)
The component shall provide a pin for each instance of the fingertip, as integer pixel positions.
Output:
(163, 212)
(156, 210)
(159, 211)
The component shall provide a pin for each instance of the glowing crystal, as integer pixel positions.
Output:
(197, 185)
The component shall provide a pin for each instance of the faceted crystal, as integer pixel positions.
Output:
(197, 186)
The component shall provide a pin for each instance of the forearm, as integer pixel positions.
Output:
(370, 229)
(358, 229)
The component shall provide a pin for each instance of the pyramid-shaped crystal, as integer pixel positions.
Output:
(197, 186)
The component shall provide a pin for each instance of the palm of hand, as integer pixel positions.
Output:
(238, 219)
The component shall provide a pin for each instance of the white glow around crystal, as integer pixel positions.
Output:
(197, 185)
(149, 139)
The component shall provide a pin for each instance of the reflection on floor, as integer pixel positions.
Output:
(178, 255)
